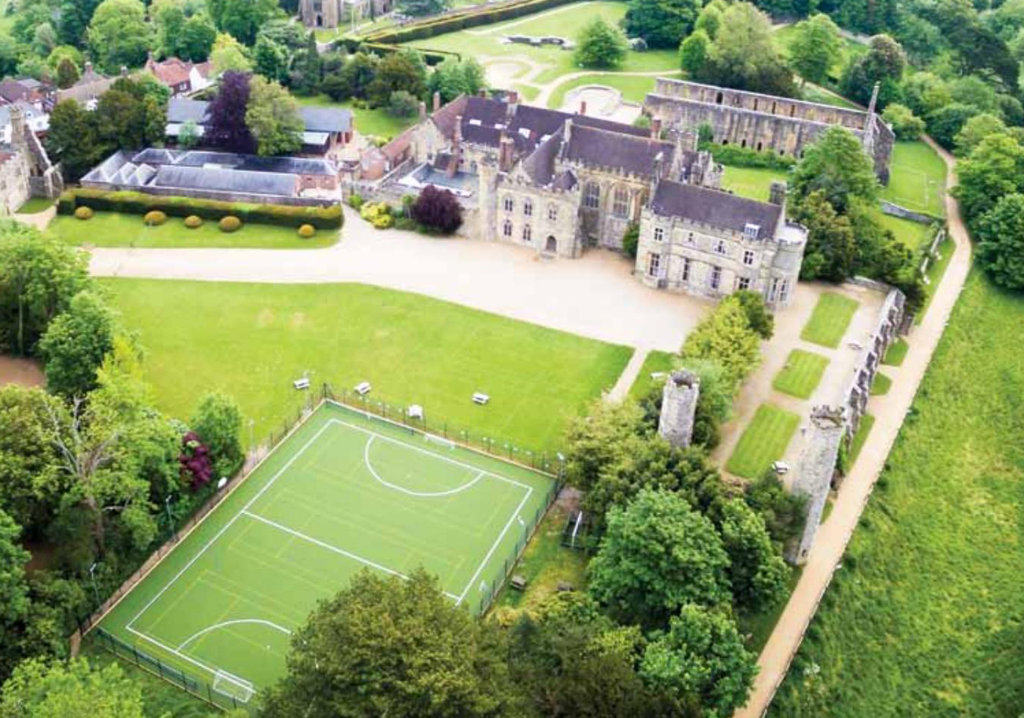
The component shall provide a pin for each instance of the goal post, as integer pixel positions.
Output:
(230, 685)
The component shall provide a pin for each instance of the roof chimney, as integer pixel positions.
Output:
(512, 97)
(655, 128)
(482, 92)
(506, 152)
(453, 163)
(437, 101)
(583, 107)
(777, 193)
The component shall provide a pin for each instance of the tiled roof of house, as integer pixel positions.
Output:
(596, 147)
(171, 72)
(714, 208)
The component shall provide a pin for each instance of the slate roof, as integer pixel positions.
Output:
(597, 147)
(13, 90)
(235, 162)
(212, 180)
(714, 208)
(316, 119)
(182, 110)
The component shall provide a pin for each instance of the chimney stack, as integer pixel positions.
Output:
(453, 163)
(655, 128)
(423, 111)
(583, 107)
(482, 92)
(777, 193)
(437, 101)
(506, 151)
(512, 97)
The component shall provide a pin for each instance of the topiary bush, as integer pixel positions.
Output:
(307, 231)
(193, 222)
(230, 224)
(154, 218)
(83, 213)
(355, 200)
(378, 214)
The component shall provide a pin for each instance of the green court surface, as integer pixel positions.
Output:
(344, 493)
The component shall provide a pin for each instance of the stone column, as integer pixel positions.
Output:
(678, 407)
(817, 467)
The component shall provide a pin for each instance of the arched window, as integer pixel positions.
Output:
(509, 204)
(528, 207)
(718, 99)
(620, 202)
(527, 233)
(592, 196)
(506, 229)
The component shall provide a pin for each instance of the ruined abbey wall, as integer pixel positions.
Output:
(764, 122)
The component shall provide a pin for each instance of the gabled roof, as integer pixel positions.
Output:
(266, 183)
(316, 119)
(171, 72)
(181, 110)
(596, 147)
(714, 208)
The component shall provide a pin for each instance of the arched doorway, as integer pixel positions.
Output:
(551, 245)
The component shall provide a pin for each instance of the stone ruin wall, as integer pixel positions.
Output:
(763, 122)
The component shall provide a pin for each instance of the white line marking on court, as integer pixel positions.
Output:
(421, 494)
(494, 546)
(335, 549)
(224, 624)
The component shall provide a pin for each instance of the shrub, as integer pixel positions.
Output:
(630, 240)
(402, 104)
(307, 231)
(378, 214)
(437, 209)
(154, 218)
(83, 213)
(905, 124)
(230, 224)
(355, 200)
(193, 222)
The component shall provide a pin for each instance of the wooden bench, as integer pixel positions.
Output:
(302, 383)
(480, 398)
(363, 388)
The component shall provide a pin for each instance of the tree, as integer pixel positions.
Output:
(420, 8)
(710, 18)
(218, 422)
(8, 55)
(726, 337)
(975, 130)
(437, 209)
(273, 118)
(39, 276)
(75, 343)
(189, 135)
(924, 92)
(831, 249)
(14, 601)
(73, 139)
(661, 23)
(1000, 233)
(242, 19)
(226, 115)
(743, 54)
(759, 319)
(75, 16)
(454, 77)
(783, 512)
(883, 64)
(905, 124)
(119, 35)
(402, 104)
(658, 555)
(398, 72)
(388, 646)
(169, 20)
(945, 123)
(600, 45)
(357, 75)
(837, 166)
(757, 572)
(306, 75)
(595, 440)
(38, 689)
(197, 38)
(816, 48)
(67, 74)
(701, 662)
(120, 120)
(694, 52)
(270, 59)
(994, 169)
(229, 55)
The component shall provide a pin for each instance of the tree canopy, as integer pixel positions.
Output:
(600, 45)
(38, 689)
(661, 23)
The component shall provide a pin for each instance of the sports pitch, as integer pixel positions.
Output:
(345, 492)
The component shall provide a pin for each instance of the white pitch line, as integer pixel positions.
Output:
(335, 549)
(494, 546)
(224, 624)
(420, 494)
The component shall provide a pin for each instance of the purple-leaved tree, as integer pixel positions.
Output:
(437, 209)
(196, 467)
(225, 120)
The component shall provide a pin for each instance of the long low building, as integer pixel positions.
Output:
(219, 175)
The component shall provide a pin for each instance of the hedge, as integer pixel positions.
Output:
(139, 203)
(473, 17)
(737, 156)
(430, 57)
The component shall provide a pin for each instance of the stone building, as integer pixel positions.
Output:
(560, 183)
(766, 122)
(679, 408)
(25, 168)
(332, 13)
(711, 243)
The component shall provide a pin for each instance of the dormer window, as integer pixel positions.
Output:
(475, 122)
(750, 231)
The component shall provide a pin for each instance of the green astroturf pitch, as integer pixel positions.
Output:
(345, 492)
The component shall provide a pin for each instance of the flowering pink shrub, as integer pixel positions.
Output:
(196, 467)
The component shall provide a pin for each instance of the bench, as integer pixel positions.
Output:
(415, 412)
(302, 383)
(480, 398)
(363, 388)
(518, 582)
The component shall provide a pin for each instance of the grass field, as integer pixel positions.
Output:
(801, 374)
(881, 385)
(655, 362)
(911, 234)
(112, 229)
(763, 441)
(925, 617)
(829, 320)
(917, 178)
(633, 87)
(866, 422)
(375, 122)
(251, 340)
(896, 352)
(935, 272)
(35, 205)
(751, 182)
(343, 494)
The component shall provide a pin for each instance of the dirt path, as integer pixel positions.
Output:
(889, 411)
(23, 372)
(628, 375)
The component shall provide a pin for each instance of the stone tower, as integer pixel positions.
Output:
(19, 128)
(816, 470)
(678, 406)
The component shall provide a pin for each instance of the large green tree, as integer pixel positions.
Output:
(38, 689)
(394, 647)
(837, 166)
(119, 34)
(273, 118)
(1000, 232)
(398, 72)
(658, 554)
(455, 77)
(218, 422)
(242, 19)
(661, 23)
(831, 250)
(600, 45)
(75, 344)
(757, 572)
(743, 54)
(14, 600)
(73, 139)
(197, 38)
(883, 63)
(994, 169)
(816, 48)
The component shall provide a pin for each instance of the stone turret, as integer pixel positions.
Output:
(816, 471)
(19, 128)
(678, 407)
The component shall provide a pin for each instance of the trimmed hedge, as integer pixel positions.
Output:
(307, 231)
(230, 224)
(472, 17)
(83, 213)
(139, 203)
(193, 222)
(747, 157)
(154, 218)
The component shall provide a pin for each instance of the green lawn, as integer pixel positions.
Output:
(866, 422)
(917, 178)
(251, 340)
(896, 353)
(341, 495)
(483, 42)
(814, 93)
(655, 362)
(936, 271)
(801, 374)
(881, 385)
(36, 205)
(828, 322)
(375, 122)
(751, 182)
(910, 234)
(764, 440)
(925, 617)
(633, 88)
(111, 229)
(759, 626)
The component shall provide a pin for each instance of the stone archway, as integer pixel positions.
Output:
(551, 245)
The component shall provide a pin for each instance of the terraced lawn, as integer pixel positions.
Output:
(830, 319)
(801, 375)
(896, 352)
(751, 182)
(881, 385)
(764, 440)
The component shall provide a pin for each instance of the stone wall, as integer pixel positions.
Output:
(896, 210)
(678, 408)
(216, 195)
(764, 122)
